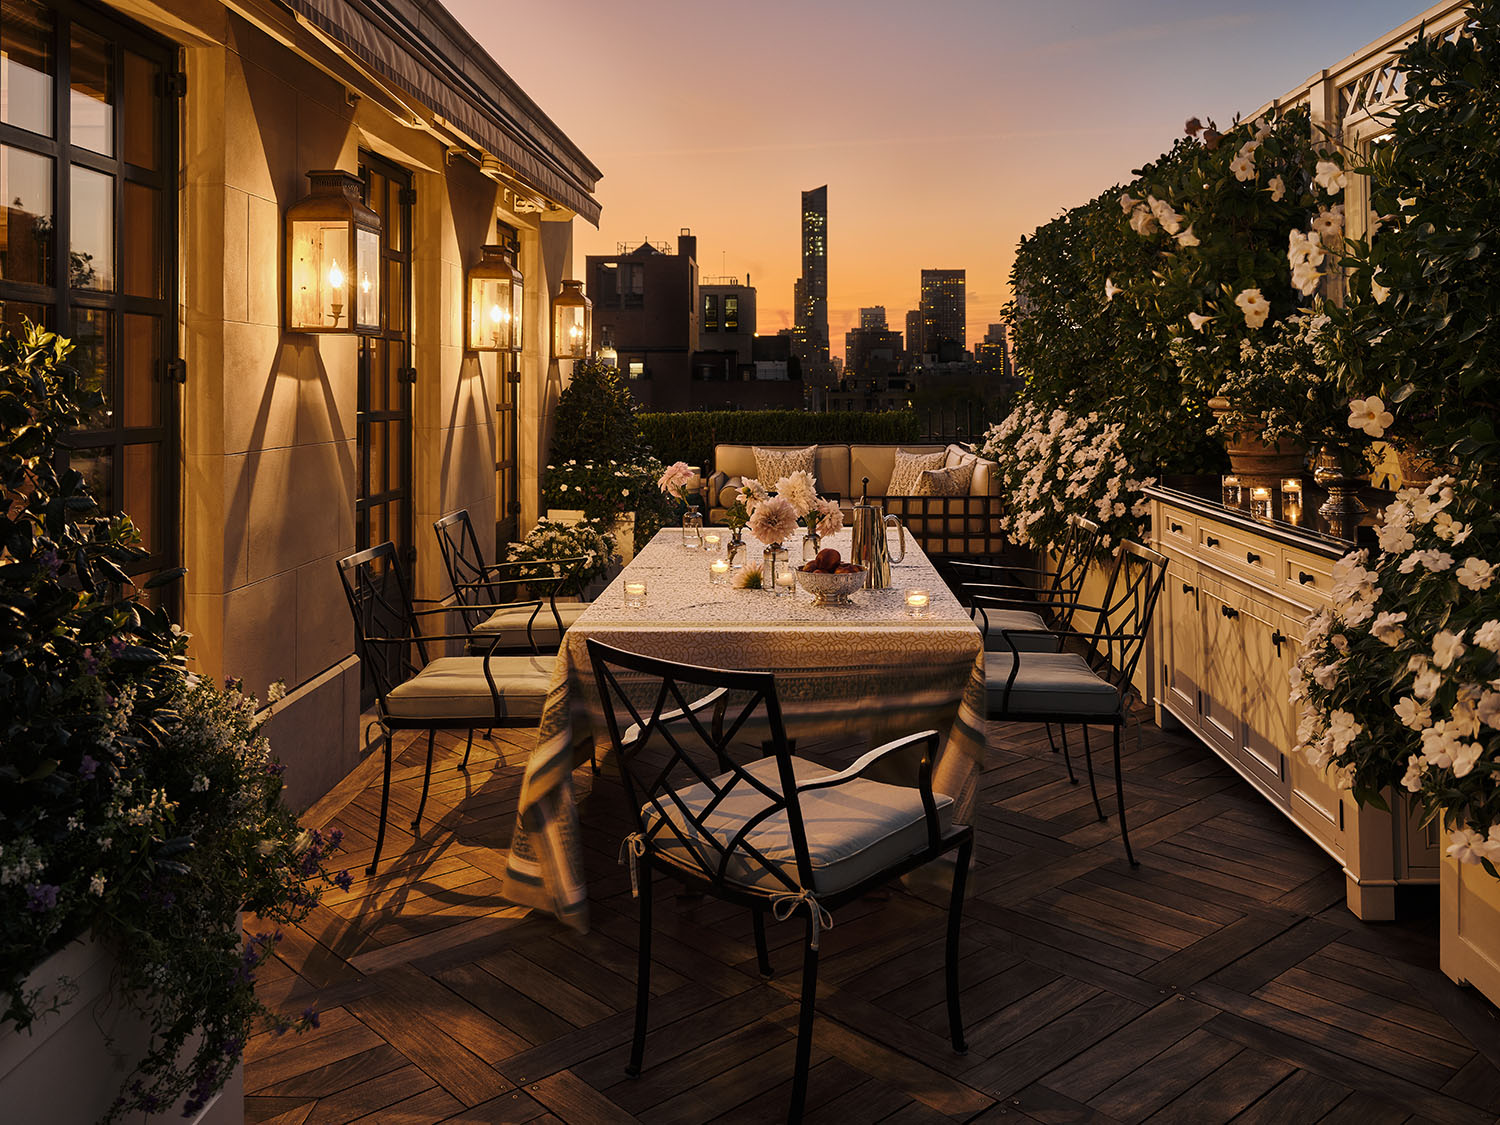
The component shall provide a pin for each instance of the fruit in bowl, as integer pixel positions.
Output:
(829, 579)
(828, 561)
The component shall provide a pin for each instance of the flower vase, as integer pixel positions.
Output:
(734, 550)
(812, 543)
(776, 570)
(692, 528)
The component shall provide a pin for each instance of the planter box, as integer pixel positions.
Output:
(1469, 903)
(69, 1065)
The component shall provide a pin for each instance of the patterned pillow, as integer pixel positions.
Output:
(907, 468)
(943, 482)
(773, 464)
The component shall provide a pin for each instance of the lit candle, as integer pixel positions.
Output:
(711, 541)
(1260, 503)
(784, 577)
(718, 572)
(635, 595)
(1291, 500)
(917, 602)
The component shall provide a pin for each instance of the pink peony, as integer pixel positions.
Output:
(773, 521)
(677, 477)
(830, 517)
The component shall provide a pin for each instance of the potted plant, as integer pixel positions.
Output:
(140, 806)
(550, 540)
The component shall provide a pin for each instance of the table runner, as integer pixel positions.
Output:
(865, 667)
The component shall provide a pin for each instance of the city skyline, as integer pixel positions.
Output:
(944, 132)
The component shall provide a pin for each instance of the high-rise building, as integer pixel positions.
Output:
(944, 309)
(992, 355)
(872, 317)
(646, 300)
(913, 338)
(811, 291)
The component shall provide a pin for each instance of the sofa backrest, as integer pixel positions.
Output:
(830, 465)
(877, 462)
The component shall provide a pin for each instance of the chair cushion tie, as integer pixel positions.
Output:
(785, 904)
(631, 849)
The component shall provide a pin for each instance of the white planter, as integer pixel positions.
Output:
(624, 532)
(69, 1065)
(1469, 903)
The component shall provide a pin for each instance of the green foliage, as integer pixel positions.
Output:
(133, 803)
(1432, 345)
(691, 436)
(595, 417)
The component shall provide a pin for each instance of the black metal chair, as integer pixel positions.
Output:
(431, 694)
(482, 592)
(721, 803)
(1088, 688)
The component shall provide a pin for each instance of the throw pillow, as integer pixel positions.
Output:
(773, 464)
(943, 482)
(907, 468)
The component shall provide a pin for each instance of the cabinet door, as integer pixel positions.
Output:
(1223, 667)
(1316, 805)
(1269, 729)
(1182, 640)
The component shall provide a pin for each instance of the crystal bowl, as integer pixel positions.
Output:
(830, 589)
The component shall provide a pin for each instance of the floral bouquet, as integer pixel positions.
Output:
(800, 490)
(550, 540)
(1402, 677)
(675, 479)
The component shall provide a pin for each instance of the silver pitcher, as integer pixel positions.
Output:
(872, 550)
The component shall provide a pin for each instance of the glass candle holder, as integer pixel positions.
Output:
(1260, 503)
(1232, 492)
(711, 542)
(776, 570)
(635, 594)
(718, 572)
(918, 603)
(1291, 500)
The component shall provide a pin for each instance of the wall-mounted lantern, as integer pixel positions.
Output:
(333, 258)
(572, 315)
(495, 302)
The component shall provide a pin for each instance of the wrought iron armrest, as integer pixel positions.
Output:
(1046, 598)
(633, 734)
(924, 776)
(1000, 568)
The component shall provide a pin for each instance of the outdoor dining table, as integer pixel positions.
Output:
(868, 669)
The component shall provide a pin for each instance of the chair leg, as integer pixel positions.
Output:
(804, 1027)
(1120, 801)
(762, 952)
(385, 804)
(1062, 733)
(426, 781)
(1088, 758)
(1052, 742)
(468, 748)
(642, 972)
(955, 918)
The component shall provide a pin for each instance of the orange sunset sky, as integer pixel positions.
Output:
(944, 129)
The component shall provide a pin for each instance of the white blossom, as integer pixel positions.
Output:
(1254, 305)
(1277, 187)
(1475, 574)
(1198, 320)
(1488, 636)
(1330, 177)
(1412, 714)
(1369, 415)
(1447, 647)
(1187, 237)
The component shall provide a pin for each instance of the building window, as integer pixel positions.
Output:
(637, 369)
(711, 312)
(633, 284)
(731, 313)
(607, 285)
(87, 240)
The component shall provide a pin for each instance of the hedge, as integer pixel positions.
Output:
(691, 436)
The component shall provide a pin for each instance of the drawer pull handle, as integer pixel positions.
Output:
(1229, 613)
(1211, 541)
(1186, 589)
(1278, 638)
(1176, 528)
(1304, 578)
(1252, 558)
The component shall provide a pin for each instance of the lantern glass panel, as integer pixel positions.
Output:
(320, 267)
(516, 294)
(367, 302)
(490, 314)
(572, 332)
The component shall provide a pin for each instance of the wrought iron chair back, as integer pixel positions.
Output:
(1135, 585)
(385, 629)
(675, 726)
(464, 562)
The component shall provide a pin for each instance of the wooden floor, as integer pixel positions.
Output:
(1223, 980)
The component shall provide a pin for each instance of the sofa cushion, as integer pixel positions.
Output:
(906, 468)
(944, 482)
(454, 687)
(773, 464)
(854, 830)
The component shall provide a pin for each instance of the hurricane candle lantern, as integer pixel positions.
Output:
(495, 294)
(572, 314)
(333, 258)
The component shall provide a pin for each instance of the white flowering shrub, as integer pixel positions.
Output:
(550, 540)
(1401, 677)
(1054, 465)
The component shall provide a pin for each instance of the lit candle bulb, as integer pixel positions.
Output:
(718, 572)
(784, 577)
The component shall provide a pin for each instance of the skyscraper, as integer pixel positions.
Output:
(872, 317)
(812, 287)
(944, 309)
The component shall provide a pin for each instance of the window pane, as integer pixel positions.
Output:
(91, 251)
(26, 237)
(142, 474)
(142, 111)
(140, 355)
(391, 219)
(379, 431)
(92, 350)
(13, 313)
(92, 102)
(26, 66)
(395, 354)
(395, 312)
(139, 258)
(98, 469)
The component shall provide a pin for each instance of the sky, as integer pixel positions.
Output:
(946, 130)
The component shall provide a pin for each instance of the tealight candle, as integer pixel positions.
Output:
(635, 595)
(711, 541)
(1260, 503)
(718, 572)
(784, 577)
(917, 602)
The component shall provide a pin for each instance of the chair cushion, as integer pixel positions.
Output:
(854, 830)
(907, 466)
(512, 622)
(454, 687)
(1051, 683)
(1001, 621)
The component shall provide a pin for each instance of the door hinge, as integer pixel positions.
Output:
(411, 555)
(175, 371)
(406, 375)
(174, 85)
(409, 196)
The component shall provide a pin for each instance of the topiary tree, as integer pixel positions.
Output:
(595, 417)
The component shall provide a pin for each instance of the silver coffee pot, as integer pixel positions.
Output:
(872, 549)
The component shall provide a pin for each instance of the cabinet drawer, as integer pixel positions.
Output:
(1305, 576)
(1177, 529)
(1239, 552)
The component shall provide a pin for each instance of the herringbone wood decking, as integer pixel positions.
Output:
(1223, 980)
